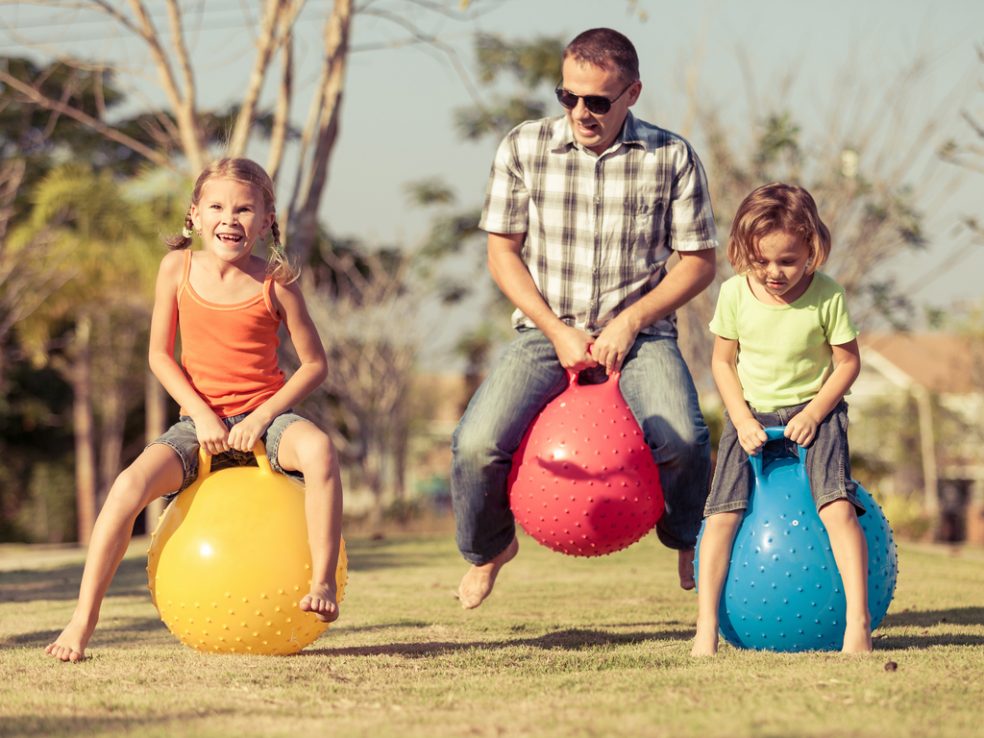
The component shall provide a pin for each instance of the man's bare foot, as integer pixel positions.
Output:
(478, 581)
(70, 645)
(857, 638)
(706, 640)
(321, 602)
(685, 568)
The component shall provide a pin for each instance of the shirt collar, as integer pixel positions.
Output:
(563, 137)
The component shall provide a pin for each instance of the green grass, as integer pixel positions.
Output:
(564, 647)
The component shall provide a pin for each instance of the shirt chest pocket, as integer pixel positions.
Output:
(644, 216)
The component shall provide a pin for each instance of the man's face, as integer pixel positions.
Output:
(597, 131)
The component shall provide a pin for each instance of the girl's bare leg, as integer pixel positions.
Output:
(850, 550)
(306, 448)
(715, 558)
(155, 472)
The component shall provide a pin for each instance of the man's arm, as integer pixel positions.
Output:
(681, 284)
(514, 279)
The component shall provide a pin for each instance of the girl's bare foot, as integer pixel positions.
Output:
(321, 602)
(706, 641)
(478, 581)
(685, 568)
(70, 645)
(857, 637)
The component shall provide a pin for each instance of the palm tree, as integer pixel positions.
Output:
(95, 246)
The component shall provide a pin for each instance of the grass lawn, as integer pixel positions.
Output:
(564, 647)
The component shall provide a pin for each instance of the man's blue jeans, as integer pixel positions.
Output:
(656, 385)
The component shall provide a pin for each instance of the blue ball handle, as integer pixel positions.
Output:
(772, 433)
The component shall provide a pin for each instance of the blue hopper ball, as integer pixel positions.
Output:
(783, 591)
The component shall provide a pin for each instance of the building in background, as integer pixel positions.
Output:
(916, 427)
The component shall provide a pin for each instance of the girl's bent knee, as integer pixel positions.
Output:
(316, 453)
(130, 491)
(840, 511)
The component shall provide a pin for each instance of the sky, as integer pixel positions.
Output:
(397, 116)
(401, 104)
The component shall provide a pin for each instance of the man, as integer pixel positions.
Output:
(583, 211)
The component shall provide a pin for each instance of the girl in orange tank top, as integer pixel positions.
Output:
(228, 305)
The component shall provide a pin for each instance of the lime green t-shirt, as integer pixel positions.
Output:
(784, 353)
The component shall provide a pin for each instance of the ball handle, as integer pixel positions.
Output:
(611, 382)
(259, 451)
(773, 433)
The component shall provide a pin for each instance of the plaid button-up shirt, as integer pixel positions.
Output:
(599, 229)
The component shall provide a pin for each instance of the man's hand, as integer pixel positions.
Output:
(574, 348)
(614, 343)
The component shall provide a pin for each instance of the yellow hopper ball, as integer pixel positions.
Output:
(229, 562)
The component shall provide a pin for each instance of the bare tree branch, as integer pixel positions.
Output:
(307, 195)
(281, 113)
(278, 14)
(37, 97)
(417, 37)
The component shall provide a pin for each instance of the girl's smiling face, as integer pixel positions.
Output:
(781, 266)
(231, 216)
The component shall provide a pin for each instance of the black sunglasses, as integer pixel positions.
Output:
(596, 104)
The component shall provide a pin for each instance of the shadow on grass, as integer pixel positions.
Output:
(62, 582)
(121, 632)
(575, 639)
(926, 619)
(367, 555)
(903, 642)
(57, 725)
(930, 618)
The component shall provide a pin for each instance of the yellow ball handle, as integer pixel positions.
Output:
(205, 461)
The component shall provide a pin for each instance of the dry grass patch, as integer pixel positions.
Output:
(564, 647)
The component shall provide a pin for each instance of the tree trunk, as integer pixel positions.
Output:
(927, 447)
(113, 420)
(373, 476)
(307, 197)
(155, 400)
(84, 429)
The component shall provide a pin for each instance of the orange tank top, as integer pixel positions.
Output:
(229, 352)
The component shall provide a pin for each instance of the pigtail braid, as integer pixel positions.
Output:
(177, 242)
(279, 265)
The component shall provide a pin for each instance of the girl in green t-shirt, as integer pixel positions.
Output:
(785, 353)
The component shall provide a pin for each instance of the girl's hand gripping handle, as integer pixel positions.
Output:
(774, 433)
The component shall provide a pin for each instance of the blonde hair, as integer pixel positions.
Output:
(248, 172)
(777, 207)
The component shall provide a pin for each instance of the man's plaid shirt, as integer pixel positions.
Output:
(599, 229)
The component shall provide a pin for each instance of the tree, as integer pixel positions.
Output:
(874, 181)
(181, 132)
(31, 140)
(101, 248)
(367, 313)
(535, 66)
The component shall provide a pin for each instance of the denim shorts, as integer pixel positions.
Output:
(828, 462)
(183, 438)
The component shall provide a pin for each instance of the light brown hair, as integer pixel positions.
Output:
(248, 172)
(773, 208)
